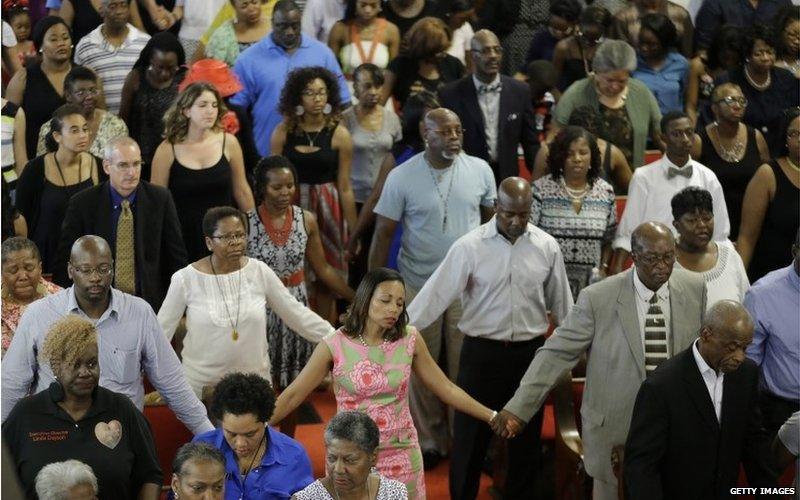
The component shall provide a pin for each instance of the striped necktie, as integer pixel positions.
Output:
(125, 272)
(655, 336)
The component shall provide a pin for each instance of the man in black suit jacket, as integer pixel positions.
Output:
(495, 110)
(158, 245)
(696, 418)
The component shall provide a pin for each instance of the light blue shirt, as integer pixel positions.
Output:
(129, 340)
(53, 4)
(773, 302)
(410, 196)
(668, 83)
(262, 69)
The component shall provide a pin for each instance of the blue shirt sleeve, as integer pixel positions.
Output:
(392, 202)
(53, 4)
(246, 96)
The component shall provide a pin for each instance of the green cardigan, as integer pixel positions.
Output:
(642, 107)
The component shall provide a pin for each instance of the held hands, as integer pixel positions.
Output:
(506, 425)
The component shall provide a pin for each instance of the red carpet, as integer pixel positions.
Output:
(311, 438)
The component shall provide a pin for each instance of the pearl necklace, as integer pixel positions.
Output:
(760, 87)
(575, 194)
(364, 342)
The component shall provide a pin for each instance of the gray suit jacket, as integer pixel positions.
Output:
(604, 322)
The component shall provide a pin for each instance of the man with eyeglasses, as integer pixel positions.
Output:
(652, 187)
(131, 341)
(495, 110)
(112, 49)
(438, 195)
(136, 218)
(263, 68)
(629, 324)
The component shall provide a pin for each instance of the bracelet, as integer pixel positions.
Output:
(494, 414)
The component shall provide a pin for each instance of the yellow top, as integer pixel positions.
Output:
(227, 12)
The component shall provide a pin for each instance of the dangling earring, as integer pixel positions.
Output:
(299, 110)
(327, 109)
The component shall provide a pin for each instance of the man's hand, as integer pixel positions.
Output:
(506, 424)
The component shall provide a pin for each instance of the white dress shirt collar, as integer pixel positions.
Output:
(489, 230)
(713, 380)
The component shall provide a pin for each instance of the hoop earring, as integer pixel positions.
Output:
(327, 109)
(299, 110)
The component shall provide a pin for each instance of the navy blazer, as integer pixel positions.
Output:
(516, 123)
(676, 448)
(158, 243)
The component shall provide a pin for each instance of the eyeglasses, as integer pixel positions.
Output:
(312, 94)
(651, 259)
(80, 94)
(731, 100)
(448, 132)
(230, 238)
(101, 270)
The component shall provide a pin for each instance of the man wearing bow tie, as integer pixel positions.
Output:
(495, 110)
(653, 186)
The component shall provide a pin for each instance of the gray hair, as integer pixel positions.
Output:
(115, 143)
(196, 451)
(17, 243)
(55, 480)
(722, 312)
(614, 55)
(355, 427)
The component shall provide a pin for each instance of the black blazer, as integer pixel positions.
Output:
(515, 121)
(158, 241)
(676, 449)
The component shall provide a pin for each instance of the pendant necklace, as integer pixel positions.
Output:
(310, 140)
(234, 325)
(444, 199)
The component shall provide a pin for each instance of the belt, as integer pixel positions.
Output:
(294, 279)
(504, 343)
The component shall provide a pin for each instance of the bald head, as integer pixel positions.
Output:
(90, 244)
(487, 54)
(514, 191)
(513, 207)
(482, 38)
(648, 233)
(443, 137)
(91, 269)
(435, 118)
(727, 331)
(653, 252)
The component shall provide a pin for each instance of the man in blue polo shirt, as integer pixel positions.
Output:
(263, 69)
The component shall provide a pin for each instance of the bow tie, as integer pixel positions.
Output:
(490, 89)
(685, 171)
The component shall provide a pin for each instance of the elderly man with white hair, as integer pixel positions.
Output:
(68, 480)
(136, 218)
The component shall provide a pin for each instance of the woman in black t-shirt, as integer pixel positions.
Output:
(76, 419)
(423, 63)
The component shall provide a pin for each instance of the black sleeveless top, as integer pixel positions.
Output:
(733, 177)
(194, 192)
(85, 20)
(39, 101)
(773, 249)
(319, 167)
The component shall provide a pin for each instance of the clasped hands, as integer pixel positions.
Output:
(506, 425)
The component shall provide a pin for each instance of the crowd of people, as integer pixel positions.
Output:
(435, 206)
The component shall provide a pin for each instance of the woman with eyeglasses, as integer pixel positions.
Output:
(787, 25)
(572, 56)
(226, 298)
(771, 219)
(731, 149)
(81, 88)
(695, 249)
(769, 90)
(320, 147)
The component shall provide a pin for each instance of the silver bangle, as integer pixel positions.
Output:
(494, 414)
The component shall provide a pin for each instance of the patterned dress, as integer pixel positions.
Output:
(12, 311)
(582, 235)
(389, 489)
(284, 252)
(374, 380)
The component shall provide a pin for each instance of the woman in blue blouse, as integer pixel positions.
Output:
(660, 66)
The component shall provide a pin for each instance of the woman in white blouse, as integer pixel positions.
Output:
(717, 261)
(224, 297)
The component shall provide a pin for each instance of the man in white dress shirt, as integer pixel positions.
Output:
(653, 186)
(508, 274)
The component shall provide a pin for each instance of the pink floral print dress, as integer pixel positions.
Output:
(374, 380)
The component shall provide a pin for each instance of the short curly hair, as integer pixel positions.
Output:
(426, 38)
(243, 393)
(689, 200)
(292, 95)
(755, 33)
(176, 124)
(215, 214)
(559, 151)
(66, 340)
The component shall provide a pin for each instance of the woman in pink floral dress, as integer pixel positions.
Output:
(371, 358)
(22, 283)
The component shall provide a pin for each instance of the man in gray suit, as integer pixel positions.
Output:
(629, 323)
